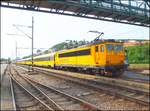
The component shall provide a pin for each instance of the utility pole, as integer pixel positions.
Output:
(30, 37)
(32, 40)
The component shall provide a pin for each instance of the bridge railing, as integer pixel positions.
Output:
(119, 7)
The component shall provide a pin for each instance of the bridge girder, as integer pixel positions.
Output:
(129, 12)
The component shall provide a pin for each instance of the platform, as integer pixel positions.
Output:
(6, 95)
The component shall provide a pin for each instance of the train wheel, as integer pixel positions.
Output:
(102, 72)
(110, 74)
(87, 71)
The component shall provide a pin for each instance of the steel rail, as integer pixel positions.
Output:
(84, 103)
(26, 91)
(95, 82)
(104, 87)
(12, 93)
(105, 83)
(109, 89)
(52, 103)
(123, 78)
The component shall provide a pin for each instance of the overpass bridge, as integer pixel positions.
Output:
(135, 12)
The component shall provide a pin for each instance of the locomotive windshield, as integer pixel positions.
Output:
(118, 48)
(114, 47)
(110, 47)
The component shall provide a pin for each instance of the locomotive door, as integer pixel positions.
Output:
(101, 55)
(97, 54)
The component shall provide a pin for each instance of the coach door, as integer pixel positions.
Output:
(97, 54)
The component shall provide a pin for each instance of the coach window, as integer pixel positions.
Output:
(102, 48)
(96, 49)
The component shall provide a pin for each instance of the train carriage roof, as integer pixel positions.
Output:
(39, 56)
(44, 55)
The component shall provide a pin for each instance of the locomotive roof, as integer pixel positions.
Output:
(90, 44)
(102, 42)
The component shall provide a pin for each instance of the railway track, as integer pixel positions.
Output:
(25, 100)
(63, 99)
(13, 95)
(131, 94)
(122, 78)
(52, 98)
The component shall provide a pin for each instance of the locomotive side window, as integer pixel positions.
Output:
(76, 53)
(83, 52)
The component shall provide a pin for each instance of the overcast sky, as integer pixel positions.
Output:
(50, 29)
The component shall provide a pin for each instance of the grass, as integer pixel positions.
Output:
(139, 66)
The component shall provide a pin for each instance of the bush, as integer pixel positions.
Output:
(138, 54)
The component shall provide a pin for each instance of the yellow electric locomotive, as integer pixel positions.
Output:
(101, 57)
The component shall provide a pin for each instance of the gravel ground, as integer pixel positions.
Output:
(133, 75)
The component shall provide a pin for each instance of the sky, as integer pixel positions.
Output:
(50, 29)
